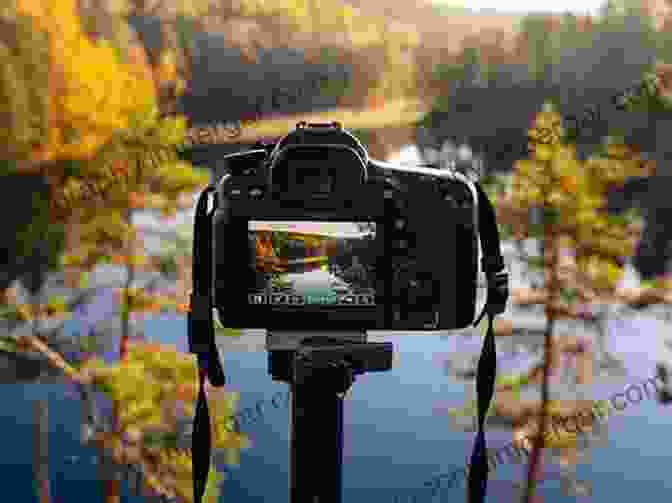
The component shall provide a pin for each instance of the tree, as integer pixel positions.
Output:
(92, 132)
(652, 96)
(537, 42)
(48, 124)
(584, 246)
(90, 93)
(551, 62)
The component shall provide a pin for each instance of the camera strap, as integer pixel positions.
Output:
(201, 336)
(498, 279)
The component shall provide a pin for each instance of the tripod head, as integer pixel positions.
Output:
(324, 350)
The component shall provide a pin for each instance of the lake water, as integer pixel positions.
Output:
(394, 438)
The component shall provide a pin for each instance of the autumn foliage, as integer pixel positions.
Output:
(83, 113)
(586, 246)
(88, 96)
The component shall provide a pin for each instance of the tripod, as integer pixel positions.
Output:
(320, 369)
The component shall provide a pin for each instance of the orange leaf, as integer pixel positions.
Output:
(375, 101)
(182, 308)
(136, 200)
(118, 259)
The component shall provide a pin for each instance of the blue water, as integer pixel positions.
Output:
(394, 441)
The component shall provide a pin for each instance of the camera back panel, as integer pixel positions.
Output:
(433, 247)
(391, 248)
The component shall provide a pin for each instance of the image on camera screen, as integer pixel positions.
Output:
(312, 263)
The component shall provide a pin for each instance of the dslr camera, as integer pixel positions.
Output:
(312, 234)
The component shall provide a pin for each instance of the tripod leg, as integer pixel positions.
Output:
(316, 444)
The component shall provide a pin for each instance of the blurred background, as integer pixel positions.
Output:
(113, 115)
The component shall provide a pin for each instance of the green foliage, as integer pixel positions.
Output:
(540, 46)
(167, 265)
(568, 295)
(536, 263)
(7, 344)
(450, 10)
(280, 281)
(446, 72)
(88, 343)
(180, 246)
(574, 66)
(336, 87)
(32, 243)
(184, 30)
(470, 61)
(150, 382)
(280, 243)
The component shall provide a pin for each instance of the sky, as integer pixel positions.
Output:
(516, 6)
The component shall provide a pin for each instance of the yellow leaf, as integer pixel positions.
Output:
(543, 153)
(167, 70)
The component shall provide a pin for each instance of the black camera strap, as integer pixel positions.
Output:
(201, 335)
(498, 292)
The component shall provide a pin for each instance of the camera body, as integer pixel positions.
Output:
(311, 234)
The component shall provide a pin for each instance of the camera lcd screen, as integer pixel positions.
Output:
(307, 263)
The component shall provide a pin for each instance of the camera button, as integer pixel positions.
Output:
(256, 193)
